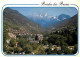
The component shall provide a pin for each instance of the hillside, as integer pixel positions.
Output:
(23, 36)
(68, 22)
(16, 21)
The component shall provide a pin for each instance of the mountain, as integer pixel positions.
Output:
(68, 22)
(45, 20)
(63, 17)
(14, 20)
(37, 23)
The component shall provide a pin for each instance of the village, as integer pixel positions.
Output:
(32, 38)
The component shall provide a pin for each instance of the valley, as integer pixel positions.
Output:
(22, 35)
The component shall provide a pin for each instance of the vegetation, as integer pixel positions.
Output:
(24, 39)
(61, 38)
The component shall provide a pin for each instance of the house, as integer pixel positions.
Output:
(16, 43)
(23, 53)
(30, 39)
(5, 45)
(34, 41)
(8, 41)
(40, 36)
(71, 47)
(53, 47)
(45, 47)
(58, 48)
(11, 35)
(32, 53)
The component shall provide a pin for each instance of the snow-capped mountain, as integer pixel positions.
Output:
(45, 20)
(63, 17)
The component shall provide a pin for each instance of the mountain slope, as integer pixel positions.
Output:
(45, 20)
(13, 18)
(63, 17)
(68, 22)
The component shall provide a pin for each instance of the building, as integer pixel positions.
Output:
(12, 35)
(53, 47)
(58, 48)
(71, 47)
(34, 41)
(40, 36)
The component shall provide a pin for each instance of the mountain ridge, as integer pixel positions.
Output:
(65, 23)
(45, 20)
(13, 17)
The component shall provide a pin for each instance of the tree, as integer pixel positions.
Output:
(9, 49)
(36, 37)
(40, 42)
(74, 36)
(57, 39)
(49, 51)
(5, 37)
(44, 41)
(51, 39)
(22, 42)
(28, 49)
(17, 49)
(59, 52)
(12, 42)
(35, 45)
(54, 51)
(66, 50)
(50, 45)
(70, 39)
(75, 49)
(41, 50)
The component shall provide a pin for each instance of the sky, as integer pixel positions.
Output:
(51, 11)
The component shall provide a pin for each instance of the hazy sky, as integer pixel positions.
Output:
(51, 11)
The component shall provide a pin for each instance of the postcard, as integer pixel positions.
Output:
(39, 28)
